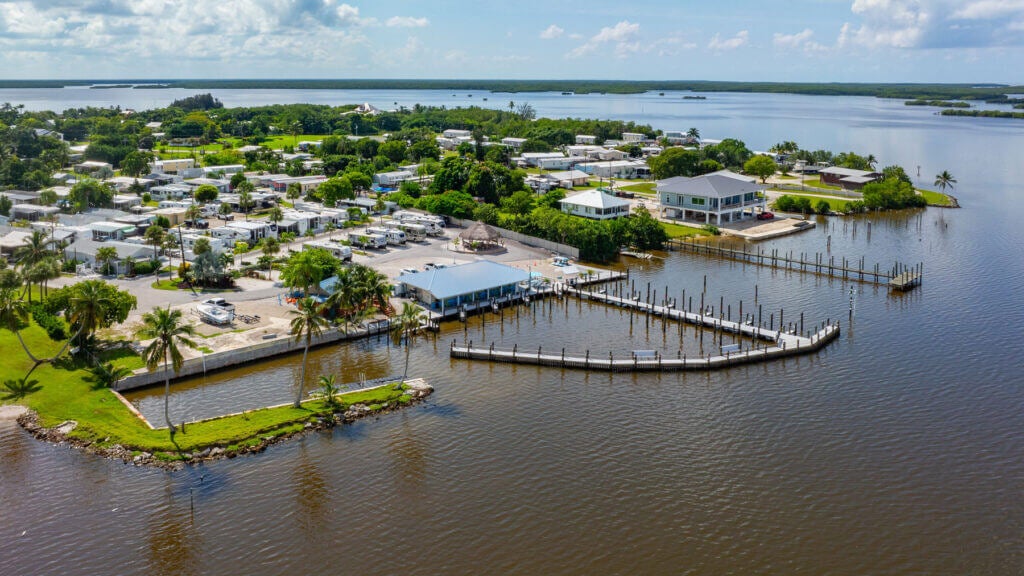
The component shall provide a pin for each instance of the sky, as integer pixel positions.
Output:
(745, 40)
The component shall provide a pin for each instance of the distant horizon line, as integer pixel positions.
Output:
(504, 80)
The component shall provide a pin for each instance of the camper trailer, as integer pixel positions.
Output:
(413, 232)
(365, 240)
(395, 237)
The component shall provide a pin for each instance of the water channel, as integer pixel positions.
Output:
(895, 450)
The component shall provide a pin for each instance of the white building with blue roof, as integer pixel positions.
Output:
(448, 288)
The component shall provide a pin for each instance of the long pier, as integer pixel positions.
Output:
(775, 343)
(899, 276)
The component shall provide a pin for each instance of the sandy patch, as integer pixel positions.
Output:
(11, 412)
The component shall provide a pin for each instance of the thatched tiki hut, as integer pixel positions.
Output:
(480, 236)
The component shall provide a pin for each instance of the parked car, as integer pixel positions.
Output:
(765, 216)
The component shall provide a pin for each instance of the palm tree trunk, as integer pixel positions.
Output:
(302, 380)
(408, 347)
(167, 397)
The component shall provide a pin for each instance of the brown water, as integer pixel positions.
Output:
(896, 450)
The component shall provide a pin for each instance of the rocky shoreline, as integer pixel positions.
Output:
(59, 435)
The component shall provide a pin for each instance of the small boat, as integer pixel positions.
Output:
(216, 311)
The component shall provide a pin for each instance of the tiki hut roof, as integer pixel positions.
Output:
(480, 232)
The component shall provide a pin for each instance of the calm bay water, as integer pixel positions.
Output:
(896, 450)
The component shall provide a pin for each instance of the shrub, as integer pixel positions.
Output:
(711, 229)
(822, 207)
(55, 328)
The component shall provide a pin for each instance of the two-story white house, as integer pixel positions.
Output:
(714, 198)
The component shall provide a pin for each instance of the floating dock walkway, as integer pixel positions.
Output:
(776, 343)
(900, 276)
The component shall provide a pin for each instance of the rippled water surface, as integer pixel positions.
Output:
(897, 450)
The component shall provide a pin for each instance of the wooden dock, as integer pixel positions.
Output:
(774, 343)
(820, 264)
(905, 281)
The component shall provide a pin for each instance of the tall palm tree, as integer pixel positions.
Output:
(871, 161)
(306, 323)
(693, 134)
(37, 247)
(165, 327)
(105, 255)
(944, 180)
(408, 321)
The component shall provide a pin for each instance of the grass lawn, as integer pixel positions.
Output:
(643, 188)
(682, 230)
(278, 141)
(935, 198)
(67, 395)
(817, 183)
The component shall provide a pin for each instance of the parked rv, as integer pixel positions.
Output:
(395, 237)
(413, 232)
(364, 240)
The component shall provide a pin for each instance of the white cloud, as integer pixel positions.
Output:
(576, 36)
(740, 39)
(407, 22)
(792, 40)
(987, 9)
(622, 35)
(552, 32)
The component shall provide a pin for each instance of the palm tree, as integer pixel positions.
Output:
(36, 248)
(165, 327)
(245, 202)
(275, 215)
(303, 272)
(224, 209)
(306, 323)
(293, 192)
(129, 265)
(19, 388)
(155, 236)
(329, 389)
(107, 375)
(944, 180)
(408, 321)
(104, 256)
(192, 213)
(693, 134)
(871, 161)
(88, 308)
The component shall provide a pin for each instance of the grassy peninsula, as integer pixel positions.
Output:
(106, 426)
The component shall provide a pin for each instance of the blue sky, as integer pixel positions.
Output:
(795, 40)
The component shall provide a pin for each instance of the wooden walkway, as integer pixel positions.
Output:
(776, 343)
(803, 262)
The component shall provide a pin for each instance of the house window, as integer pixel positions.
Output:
(697, 201)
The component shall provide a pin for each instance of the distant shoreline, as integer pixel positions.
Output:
(988, 92)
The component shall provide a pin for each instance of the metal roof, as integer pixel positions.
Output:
(453, 281)
(594, 199)
(721, 184)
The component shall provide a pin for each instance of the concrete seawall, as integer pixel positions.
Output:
(282, 344)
